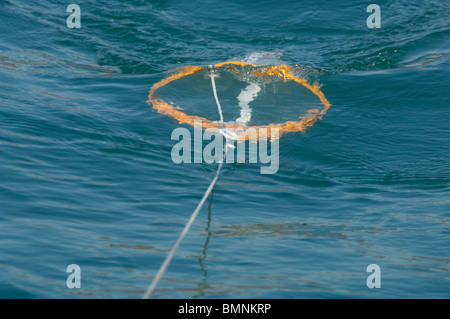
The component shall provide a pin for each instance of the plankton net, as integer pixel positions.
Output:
(252, 96)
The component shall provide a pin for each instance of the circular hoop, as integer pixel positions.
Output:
(282, 71)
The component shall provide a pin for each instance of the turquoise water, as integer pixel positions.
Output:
(87, 177)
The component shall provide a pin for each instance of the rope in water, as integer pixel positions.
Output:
(213, 84)
(191, 220)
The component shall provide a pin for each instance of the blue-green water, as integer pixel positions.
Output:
(87, 177)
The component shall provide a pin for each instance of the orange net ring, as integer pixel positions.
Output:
(282, 71)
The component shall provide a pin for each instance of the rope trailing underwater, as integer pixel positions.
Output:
(191, 220)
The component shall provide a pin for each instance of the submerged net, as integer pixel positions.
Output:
(252, 96)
